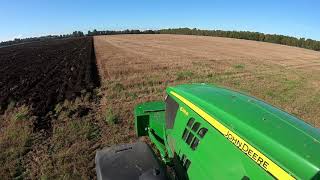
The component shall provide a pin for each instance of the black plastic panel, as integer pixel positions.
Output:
(195, 127)
(128, 161)
(187, 164)
(185, 133)
(194, 143)
(202, 132)
(189, 139)
(190, 122)
(171, 112)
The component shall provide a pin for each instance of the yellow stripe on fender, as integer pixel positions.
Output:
(244, 146)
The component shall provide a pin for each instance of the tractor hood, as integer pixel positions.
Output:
(288, 142)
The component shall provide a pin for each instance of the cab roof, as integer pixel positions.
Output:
(288, 141)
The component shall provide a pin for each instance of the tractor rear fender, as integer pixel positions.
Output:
(150, 121)
(150, 118)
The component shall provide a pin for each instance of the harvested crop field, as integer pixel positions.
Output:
(137, 68)
(42, 74)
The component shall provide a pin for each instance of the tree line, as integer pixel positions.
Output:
(75, 34)
(132, 31)
(41, 38)
(255, 36)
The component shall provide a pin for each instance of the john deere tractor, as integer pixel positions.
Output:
(207, 132)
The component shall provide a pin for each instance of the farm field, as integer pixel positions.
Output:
(61, 100)
(138, 68)
(42, 74)
(38, 83)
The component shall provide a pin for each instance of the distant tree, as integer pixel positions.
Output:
(77, 34)
(95, 32)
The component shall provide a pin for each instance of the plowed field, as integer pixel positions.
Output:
(41, 74)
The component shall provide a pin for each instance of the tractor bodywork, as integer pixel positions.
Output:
(208, 132)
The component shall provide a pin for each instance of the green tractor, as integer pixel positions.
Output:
(207, 132)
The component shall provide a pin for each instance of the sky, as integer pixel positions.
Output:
(29, 18)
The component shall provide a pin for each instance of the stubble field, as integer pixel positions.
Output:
(138, 68)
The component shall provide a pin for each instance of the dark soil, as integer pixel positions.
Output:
(43, 74)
